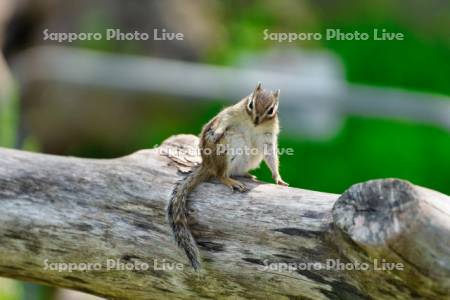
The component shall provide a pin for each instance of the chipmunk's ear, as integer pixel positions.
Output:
(258, 88)
(277, 94)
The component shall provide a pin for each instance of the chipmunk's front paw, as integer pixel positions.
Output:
(280, 181)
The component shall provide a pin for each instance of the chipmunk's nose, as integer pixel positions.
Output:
(256, 120)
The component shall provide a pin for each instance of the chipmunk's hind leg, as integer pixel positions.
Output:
(233, 184)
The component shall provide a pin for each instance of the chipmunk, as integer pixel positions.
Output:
(248, 131)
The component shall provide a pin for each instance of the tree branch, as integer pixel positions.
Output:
(61, 210)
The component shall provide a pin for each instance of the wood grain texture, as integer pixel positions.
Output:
(71, 210)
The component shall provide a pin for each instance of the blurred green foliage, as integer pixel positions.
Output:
(9, 109)
(368, 149)
(416, 63)
(10, 289)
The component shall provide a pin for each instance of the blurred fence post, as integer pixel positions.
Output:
(314, 101)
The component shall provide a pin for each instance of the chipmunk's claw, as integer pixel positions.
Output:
(234, 185)
(280, 181)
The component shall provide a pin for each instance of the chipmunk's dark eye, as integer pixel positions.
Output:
(270, 112)
(250, 105)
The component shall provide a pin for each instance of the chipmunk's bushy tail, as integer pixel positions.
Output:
(177, 214)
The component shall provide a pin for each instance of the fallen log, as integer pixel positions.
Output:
(99, 226)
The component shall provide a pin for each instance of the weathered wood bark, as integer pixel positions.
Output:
(71, 210)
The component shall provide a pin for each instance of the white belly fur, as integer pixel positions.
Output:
(245, 150)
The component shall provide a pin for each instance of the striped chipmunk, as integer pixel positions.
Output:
(231, 144)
